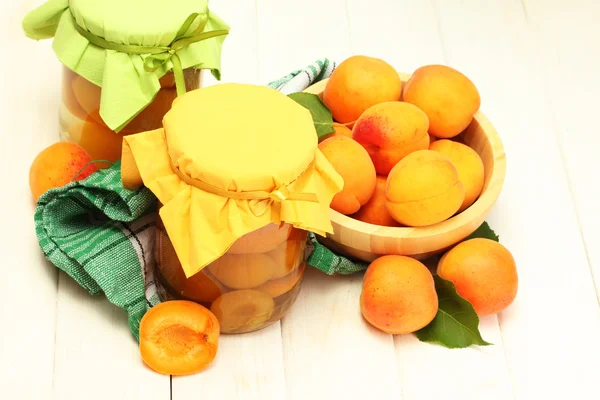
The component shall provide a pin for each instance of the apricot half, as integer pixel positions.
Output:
(243, 310)
(151, 116)
(199, 287)
(287, 257)
(100, 142)
(68, 98)
(243, 271)
(88, 97)
(398, 295)
(278, 287)
(262, 240)
(423, 189)
(179, 337)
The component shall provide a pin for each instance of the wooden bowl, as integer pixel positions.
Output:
(366, 242)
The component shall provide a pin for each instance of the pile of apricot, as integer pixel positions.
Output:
(397, 147)
(393, 142)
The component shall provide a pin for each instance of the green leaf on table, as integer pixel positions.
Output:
(456, 325)
(484, 231)
(321, 115)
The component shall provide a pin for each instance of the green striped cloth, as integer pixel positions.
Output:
(298, 80)
(102, 235)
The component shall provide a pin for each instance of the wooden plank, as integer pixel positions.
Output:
(566, 36)
(429, 371)
(330, 351)
(29, 115)
(326, 343)
(239, 54)
(292, 36)
(465, 373)
(550, 332)
(248, 366)
(96, 353)
(403, 32)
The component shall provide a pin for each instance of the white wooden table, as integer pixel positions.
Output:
(537, 66)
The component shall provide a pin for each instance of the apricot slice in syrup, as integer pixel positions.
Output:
(244, 310)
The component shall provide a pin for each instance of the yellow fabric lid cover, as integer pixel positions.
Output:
(230, 159)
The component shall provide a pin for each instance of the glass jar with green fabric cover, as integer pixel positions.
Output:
(125, 62)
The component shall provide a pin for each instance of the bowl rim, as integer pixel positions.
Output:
(480, 207)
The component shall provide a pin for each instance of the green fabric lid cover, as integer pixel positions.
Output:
(126, 46)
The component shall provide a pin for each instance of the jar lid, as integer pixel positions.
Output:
(125, 47)
(230, 159)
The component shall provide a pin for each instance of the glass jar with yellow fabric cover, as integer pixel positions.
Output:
(124, 62)
(250, 286)
(241, 182)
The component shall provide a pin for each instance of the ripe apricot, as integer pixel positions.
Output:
(243, 310)
(423, 189)
(278, 287)
(242, 271)
(262, 240)
(468, 165)
(58, 165)
(342, 130)
(199, 287)
(484, 272)
(390, 131)
(358, 83)
(398, 295)
(447, 96)
(374, 211)
(178, 337)
(353, 163)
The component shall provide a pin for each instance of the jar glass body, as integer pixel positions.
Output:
(250, 287)
(80, 121)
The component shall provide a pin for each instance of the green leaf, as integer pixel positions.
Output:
(484, 231)
(456, 325)
(321, 115)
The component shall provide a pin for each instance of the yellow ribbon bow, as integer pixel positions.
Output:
(260, 200)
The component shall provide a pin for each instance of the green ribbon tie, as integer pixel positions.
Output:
(158, 55)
